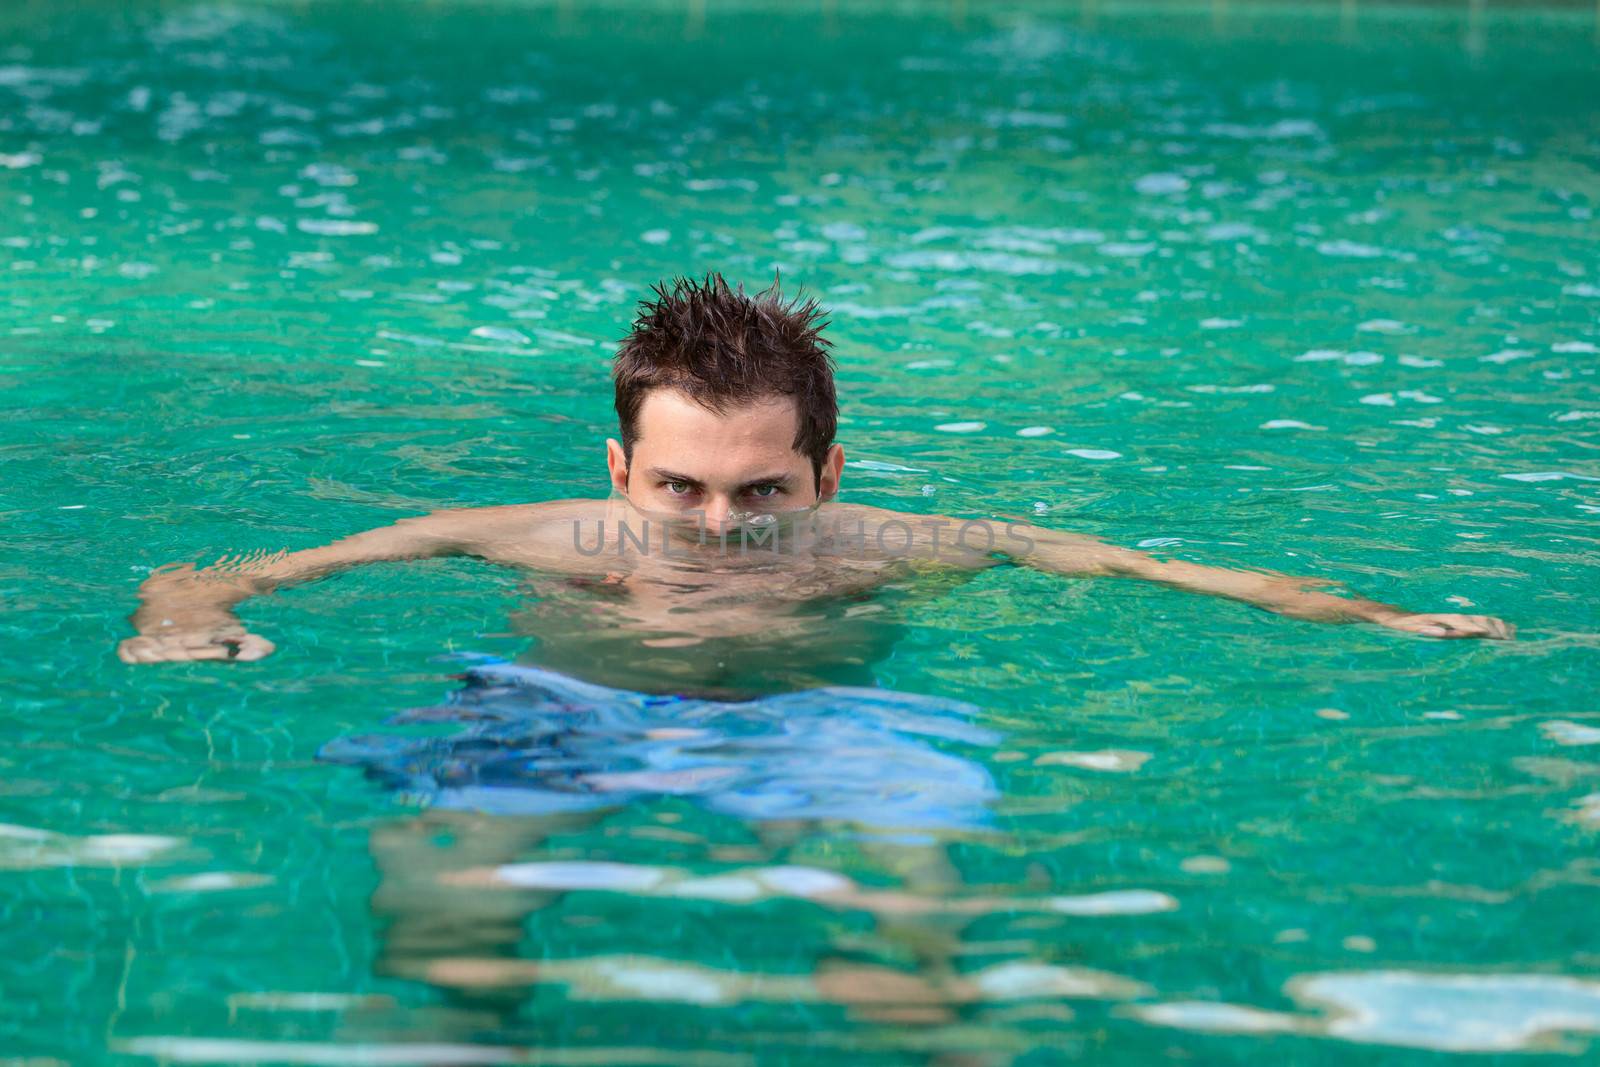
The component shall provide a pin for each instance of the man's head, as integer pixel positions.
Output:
(726, 403)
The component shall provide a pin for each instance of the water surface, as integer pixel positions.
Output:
(1246, 285)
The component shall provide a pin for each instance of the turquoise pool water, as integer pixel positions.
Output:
(1256, 286)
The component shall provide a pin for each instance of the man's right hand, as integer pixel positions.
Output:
(227, 643)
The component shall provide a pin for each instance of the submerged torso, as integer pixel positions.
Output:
(767, 627)
(725, 624)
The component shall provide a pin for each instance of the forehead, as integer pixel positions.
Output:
(673, 429)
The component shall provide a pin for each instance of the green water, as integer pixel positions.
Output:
(1285, 291)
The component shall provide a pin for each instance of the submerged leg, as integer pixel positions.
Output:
(449, 934)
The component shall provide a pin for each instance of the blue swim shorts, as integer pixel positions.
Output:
(532, 741)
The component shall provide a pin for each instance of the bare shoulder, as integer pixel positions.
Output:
(881, 532)
(969, 541)
(839, 510)
(925, 528)
(504, 517)
(537, 534)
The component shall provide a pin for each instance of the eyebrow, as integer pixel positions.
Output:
(782, 481)
(662, 474)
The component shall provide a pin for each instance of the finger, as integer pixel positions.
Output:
(174, 652)
(254, 648)
(205, 652)
(203, 639)
(184, 648)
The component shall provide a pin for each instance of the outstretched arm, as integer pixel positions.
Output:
(1068, 554)
(188, 614)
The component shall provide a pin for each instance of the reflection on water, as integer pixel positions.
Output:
(506, 937)
(24, 847)
(1448, 1012)
(497, 911)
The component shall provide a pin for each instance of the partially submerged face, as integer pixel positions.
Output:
(692, 461)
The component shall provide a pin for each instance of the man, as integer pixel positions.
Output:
(722, 562)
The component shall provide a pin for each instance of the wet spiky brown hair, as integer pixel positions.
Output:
(721, 347)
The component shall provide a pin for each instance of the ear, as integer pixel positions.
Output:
(832, 470)
(617, 463)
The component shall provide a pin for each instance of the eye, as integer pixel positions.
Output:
(764, 492)
(678, 488)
